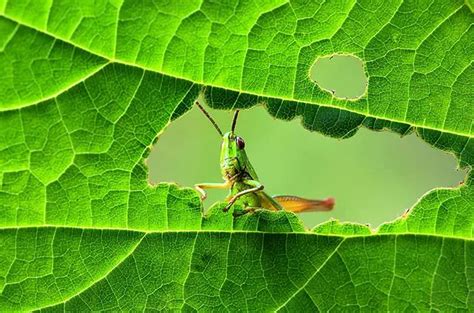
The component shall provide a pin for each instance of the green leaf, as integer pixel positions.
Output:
(407, 47)
(87, 87)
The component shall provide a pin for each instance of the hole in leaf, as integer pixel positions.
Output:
(374, 176)
(342, 75)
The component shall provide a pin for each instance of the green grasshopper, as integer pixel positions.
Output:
(242, 180)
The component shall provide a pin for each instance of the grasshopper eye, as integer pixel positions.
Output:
(240, 142)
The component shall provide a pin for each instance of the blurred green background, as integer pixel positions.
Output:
(374, 176)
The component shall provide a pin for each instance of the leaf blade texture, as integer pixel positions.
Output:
(87, 87)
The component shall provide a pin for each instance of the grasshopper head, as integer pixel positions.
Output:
(232, 155)
(233, 158)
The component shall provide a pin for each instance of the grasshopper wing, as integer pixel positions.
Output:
(298, 205)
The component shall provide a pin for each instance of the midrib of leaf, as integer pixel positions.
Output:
(110, 60)
(234, 231)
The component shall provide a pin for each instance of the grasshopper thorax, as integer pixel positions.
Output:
(232, 155)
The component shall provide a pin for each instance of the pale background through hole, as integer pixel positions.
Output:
(343, 74)
(374, 176)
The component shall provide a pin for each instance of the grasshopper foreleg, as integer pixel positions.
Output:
(200, 187)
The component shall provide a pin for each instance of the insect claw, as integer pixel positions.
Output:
(227, 207)
(229, 204)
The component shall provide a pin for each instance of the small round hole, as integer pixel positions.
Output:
(342, 75)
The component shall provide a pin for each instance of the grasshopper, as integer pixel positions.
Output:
(243, 183)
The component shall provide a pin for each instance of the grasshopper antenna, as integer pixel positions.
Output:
(210, 118)
(234, 120)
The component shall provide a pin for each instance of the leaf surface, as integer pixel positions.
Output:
(87, 87)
